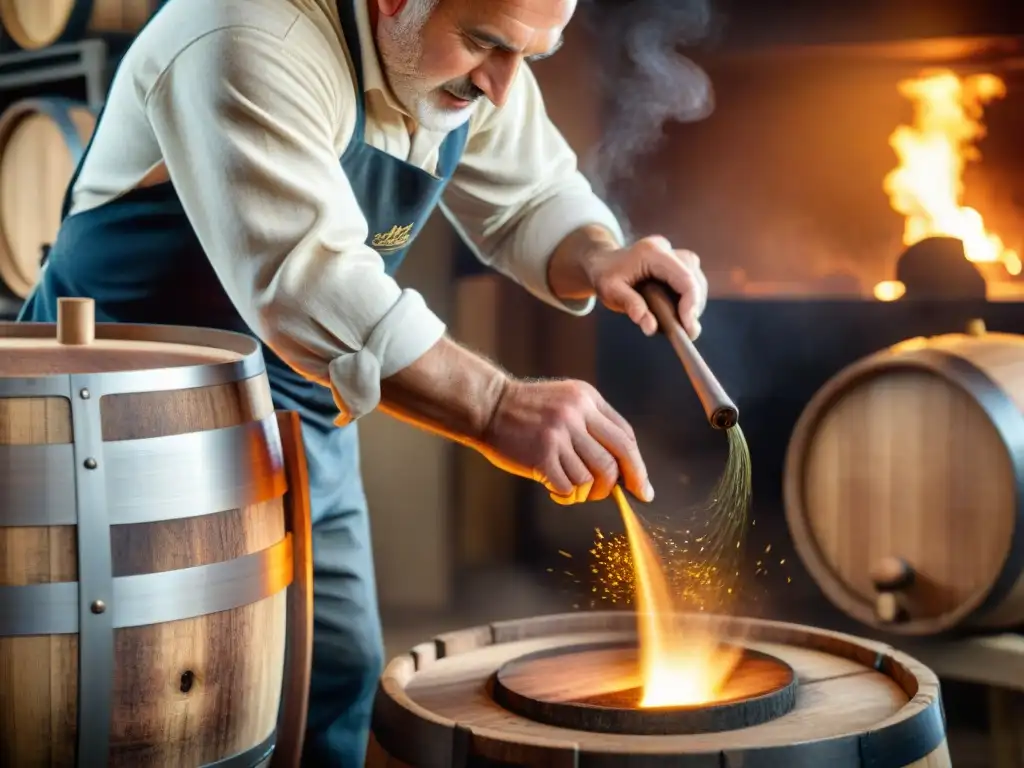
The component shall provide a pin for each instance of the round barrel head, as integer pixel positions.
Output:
(903, 465)
(28, 350)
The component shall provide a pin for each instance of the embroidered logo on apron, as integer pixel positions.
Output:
(394, 239)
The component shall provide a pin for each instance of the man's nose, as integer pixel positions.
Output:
(496, 76)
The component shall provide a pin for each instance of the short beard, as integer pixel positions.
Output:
(401, 53)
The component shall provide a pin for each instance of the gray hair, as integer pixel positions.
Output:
(415, 14)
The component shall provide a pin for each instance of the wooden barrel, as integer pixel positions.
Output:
(41, 142)
(859, 704)
(145, 548)
(34, 24)
(904, 485)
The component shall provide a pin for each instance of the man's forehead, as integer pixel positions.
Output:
(526, 26)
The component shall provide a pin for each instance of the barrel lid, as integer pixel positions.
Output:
(899, 460)
(73, 346)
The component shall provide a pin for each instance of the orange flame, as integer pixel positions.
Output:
(927, 186)
(678, 667)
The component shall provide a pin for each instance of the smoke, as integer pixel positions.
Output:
(646, 82)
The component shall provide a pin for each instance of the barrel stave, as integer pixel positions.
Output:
(231, 664)
(139, 415)
(232, 694)
(40, 673)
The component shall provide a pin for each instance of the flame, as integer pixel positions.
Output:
(678, 667)
(927, 185)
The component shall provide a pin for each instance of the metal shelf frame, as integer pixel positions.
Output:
(56, 68)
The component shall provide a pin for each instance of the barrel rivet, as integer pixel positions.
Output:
(85, 394)
(91, 463)
(98, 607)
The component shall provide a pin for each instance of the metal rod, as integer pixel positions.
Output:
(721, 411)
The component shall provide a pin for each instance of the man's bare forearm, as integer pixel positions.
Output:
(567, 269)
(454, 392)
(450, 391)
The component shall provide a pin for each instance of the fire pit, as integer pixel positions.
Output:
(564, 690)
(581, 687)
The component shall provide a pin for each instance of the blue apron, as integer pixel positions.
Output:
(138, 257)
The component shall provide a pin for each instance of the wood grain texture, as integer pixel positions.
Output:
(893, 462)
(44, 357)
(291, 732)
(850, 691)
(188, 692)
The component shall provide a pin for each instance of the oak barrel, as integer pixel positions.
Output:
(34, 24)
(146, 544)
(903, 485)
(859, 703)
(41, 142)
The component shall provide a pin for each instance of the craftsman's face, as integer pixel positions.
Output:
(440, 59)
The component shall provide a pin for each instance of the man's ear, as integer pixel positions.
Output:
(390, 7)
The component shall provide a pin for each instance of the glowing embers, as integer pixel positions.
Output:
(598, 688)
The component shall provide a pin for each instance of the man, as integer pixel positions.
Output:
(212, 195)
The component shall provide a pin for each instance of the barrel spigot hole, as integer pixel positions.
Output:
(891, 576)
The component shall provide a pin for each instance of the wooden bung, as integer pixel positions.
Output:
(901, 481)
(976, 327)
(76, 321)
(864, 703)
(891, 576)
(193, 478)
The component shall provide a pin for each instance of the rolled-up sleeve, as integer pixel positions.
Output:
(518, 192)
(247, 128)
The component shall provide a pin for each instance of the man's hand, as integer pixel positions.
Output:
(588, 263)
(559, 433)
(565, 436)
(616, 274)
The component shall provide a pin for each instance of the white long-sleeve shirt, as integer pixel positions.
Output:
(247, 106)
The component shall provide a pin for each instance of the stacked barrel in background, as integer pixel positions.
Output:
(44, 132)
(41, 141)
(34, 24)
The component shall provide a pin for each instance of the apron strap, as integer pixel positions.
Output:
(65, 207)
(350, 29)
